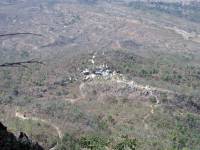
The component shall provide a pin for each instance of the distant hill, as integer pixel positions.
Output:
(184, 9)
(167, 1)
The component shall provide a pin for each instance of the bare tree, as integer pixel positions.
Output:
(20, 33)
(21, 63)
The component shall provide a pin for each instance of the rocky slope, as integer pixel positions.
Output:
(8, 141)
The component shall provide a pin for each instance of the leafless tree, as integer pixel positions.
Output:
(22, 63)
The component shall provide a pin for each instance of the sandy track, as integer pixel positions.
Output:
(71, 100)
(23, 117)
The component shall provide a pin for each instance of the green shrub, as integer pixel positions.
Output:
(153, 99)
(69, 143)
(94, 142)
(186, 133)
(127, 144)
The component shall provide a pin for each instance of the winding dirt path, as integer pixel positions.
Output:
(151, 91)
(132, 84)
(71, 100)
(59, 132)
(23, 117)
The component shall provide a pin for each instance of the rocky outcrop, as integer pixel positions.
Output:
(8, 141)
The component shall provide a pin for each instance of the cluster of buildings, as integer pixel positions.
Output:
(101, 71)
